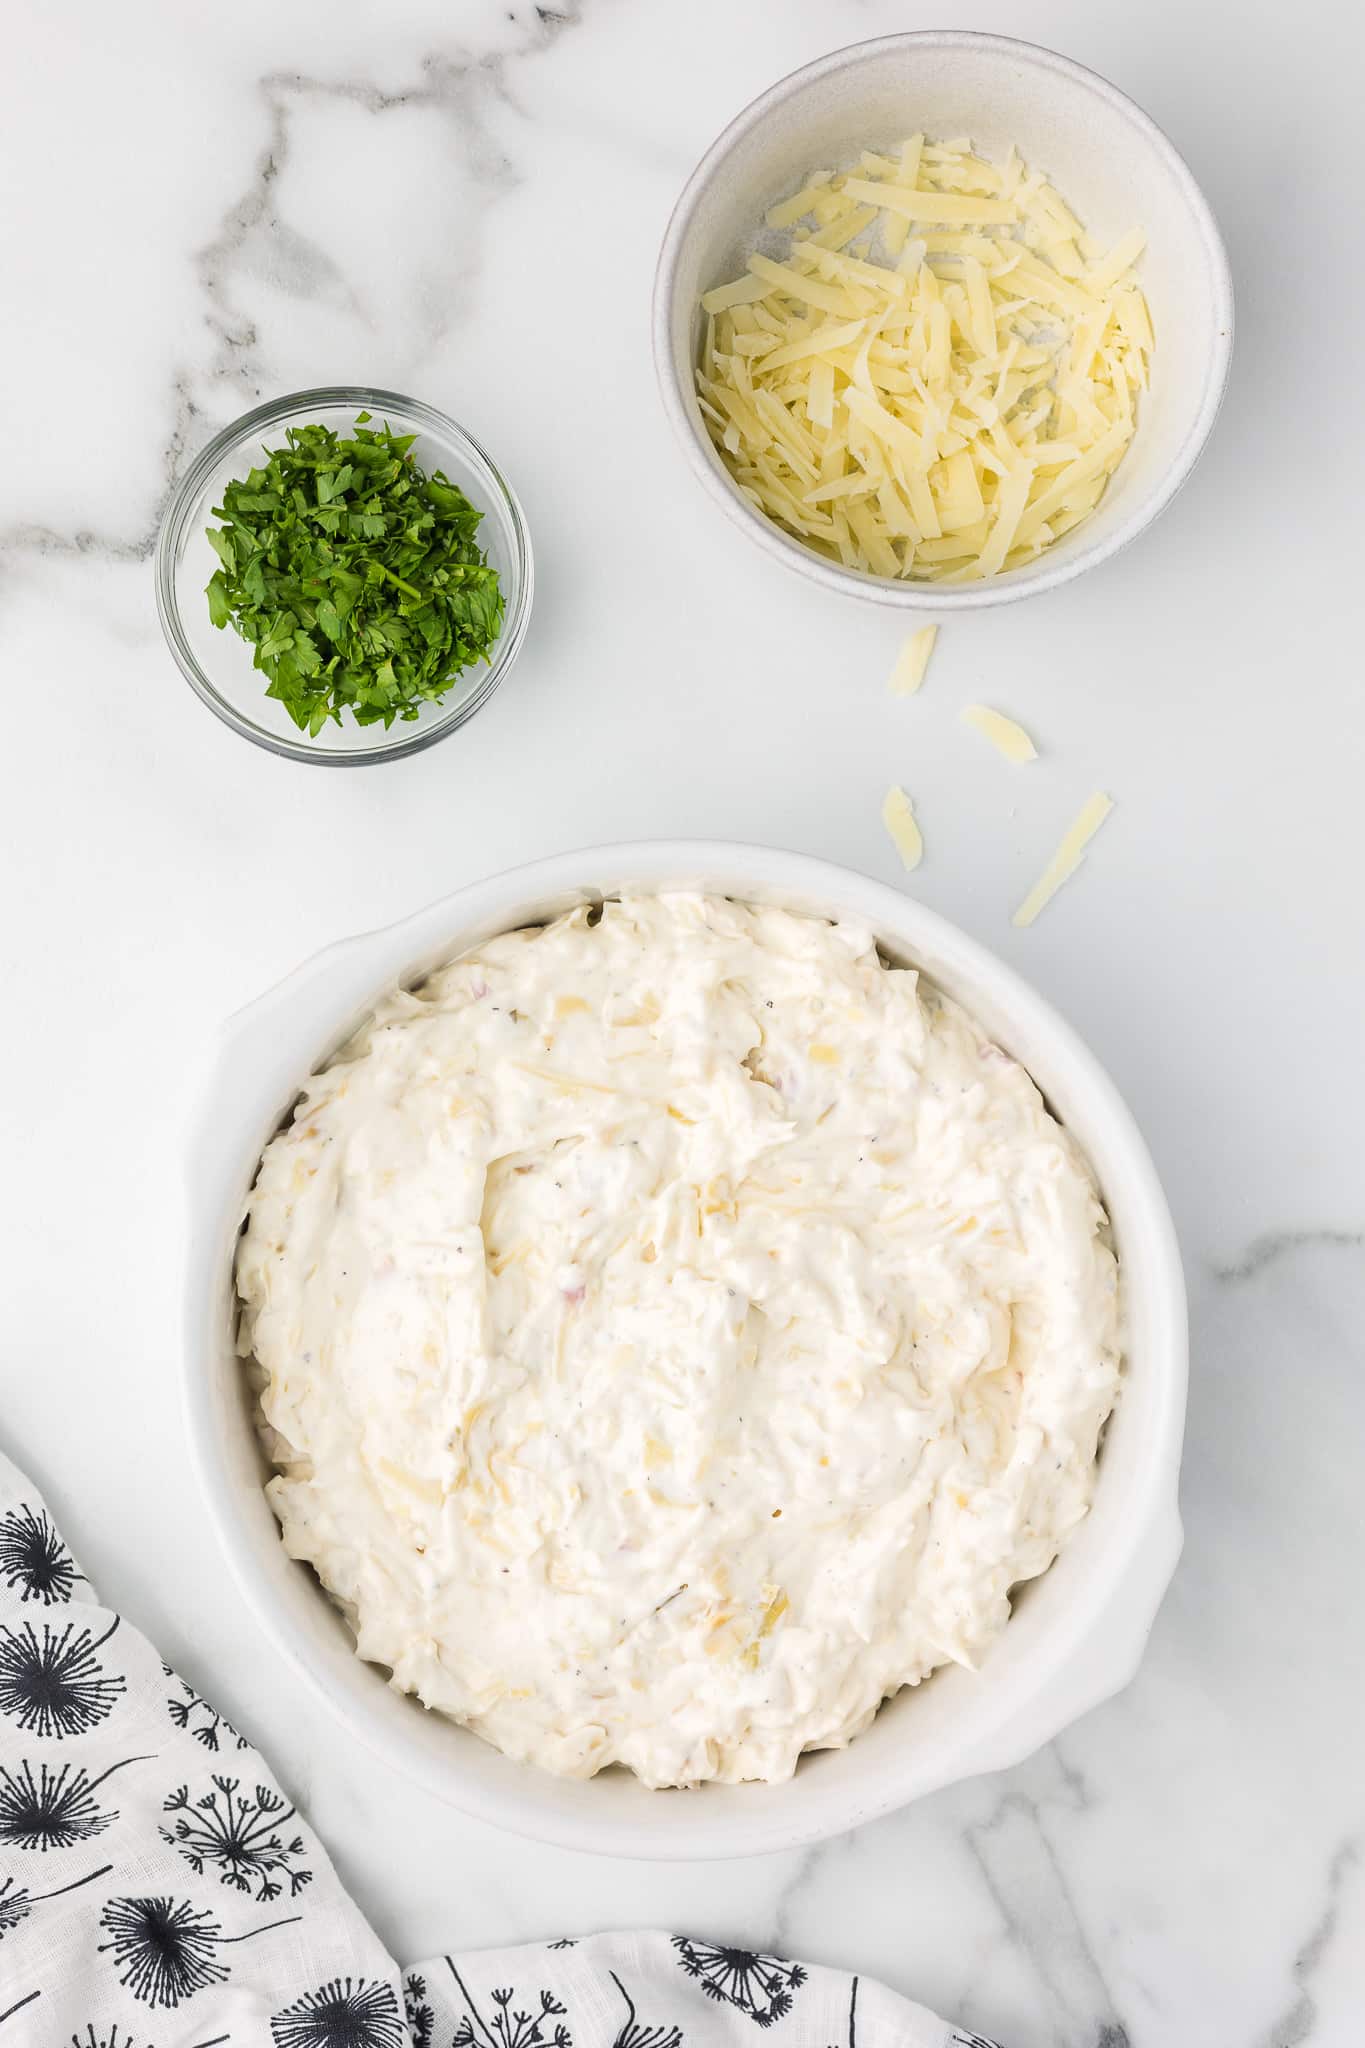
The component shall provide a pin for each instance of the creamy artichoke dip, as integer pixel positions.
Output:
(677, 1333)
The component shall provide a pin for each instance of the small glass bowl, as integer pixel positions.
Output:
(217, 663)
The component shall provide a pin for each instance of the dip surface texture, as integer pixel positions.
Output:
(678, 1332)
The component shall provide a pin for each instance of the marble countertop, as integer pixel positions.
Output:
(463, 200)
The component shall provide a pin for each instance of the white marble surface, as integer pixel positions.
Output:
(464, 200)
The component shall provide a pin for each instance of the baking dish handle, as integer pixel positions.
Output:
(1104, 1662)
(269, 1044)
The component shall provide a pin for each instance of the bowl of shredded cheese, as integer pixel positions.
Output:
(942, 320)
(1074, 1633)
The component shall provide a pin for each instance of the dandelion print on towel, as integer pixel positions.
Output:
(164, 1949)
(114, 2039)
(508, 2028)
(34, 1560)
(633, 2035)
(239, 1837)
(18, 2005)
(853, 2017)
(17, 1904)
(56, 1809)
(342, 2014)
(194, 1714)
(761, 1986)
(55, 1687)
(420, 2017)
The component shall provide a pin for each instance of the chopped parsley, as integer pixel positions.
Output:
(356, 577)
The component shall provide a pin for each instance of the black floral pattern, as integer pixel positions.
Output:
(240, 1836)
(509, 2027)
(34, 1559)
(194, 1714)
(420, 2017)
(164, 1949)
(342, 2014)
(761, 1986)
(114, 2039)
(852, 2018)
(157, 1944)
(54, 1810)
(16, 1902)
(56, 1686)
(633, 2035)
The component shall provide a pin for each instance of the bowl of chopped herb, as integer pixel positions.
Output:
(344, 576)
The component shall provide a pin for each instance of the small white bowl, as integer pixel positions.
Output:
(1111, 164)
(1076, 1635)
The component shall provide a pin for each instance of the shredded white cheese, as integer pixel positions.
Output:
(899, 820)
(1004, 735)
(912, 662)
(1066, 859)
(940, 378)
(676, 1332)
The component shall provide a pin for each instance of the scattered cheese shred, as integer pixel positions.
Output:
(911, 662)
(1004, 735)
(899, 820)
(941, 375)
(1066, 859)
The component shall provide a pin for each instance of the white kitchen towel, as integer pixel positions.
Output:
(159, 1890)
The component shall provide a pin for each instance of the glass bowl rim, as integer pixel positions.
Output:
(273, 412)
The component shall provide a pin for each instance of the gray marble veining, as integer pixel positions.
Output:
(465, 199)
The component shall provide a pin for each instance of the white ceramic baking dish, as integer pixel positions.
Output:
(1077, 1634)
